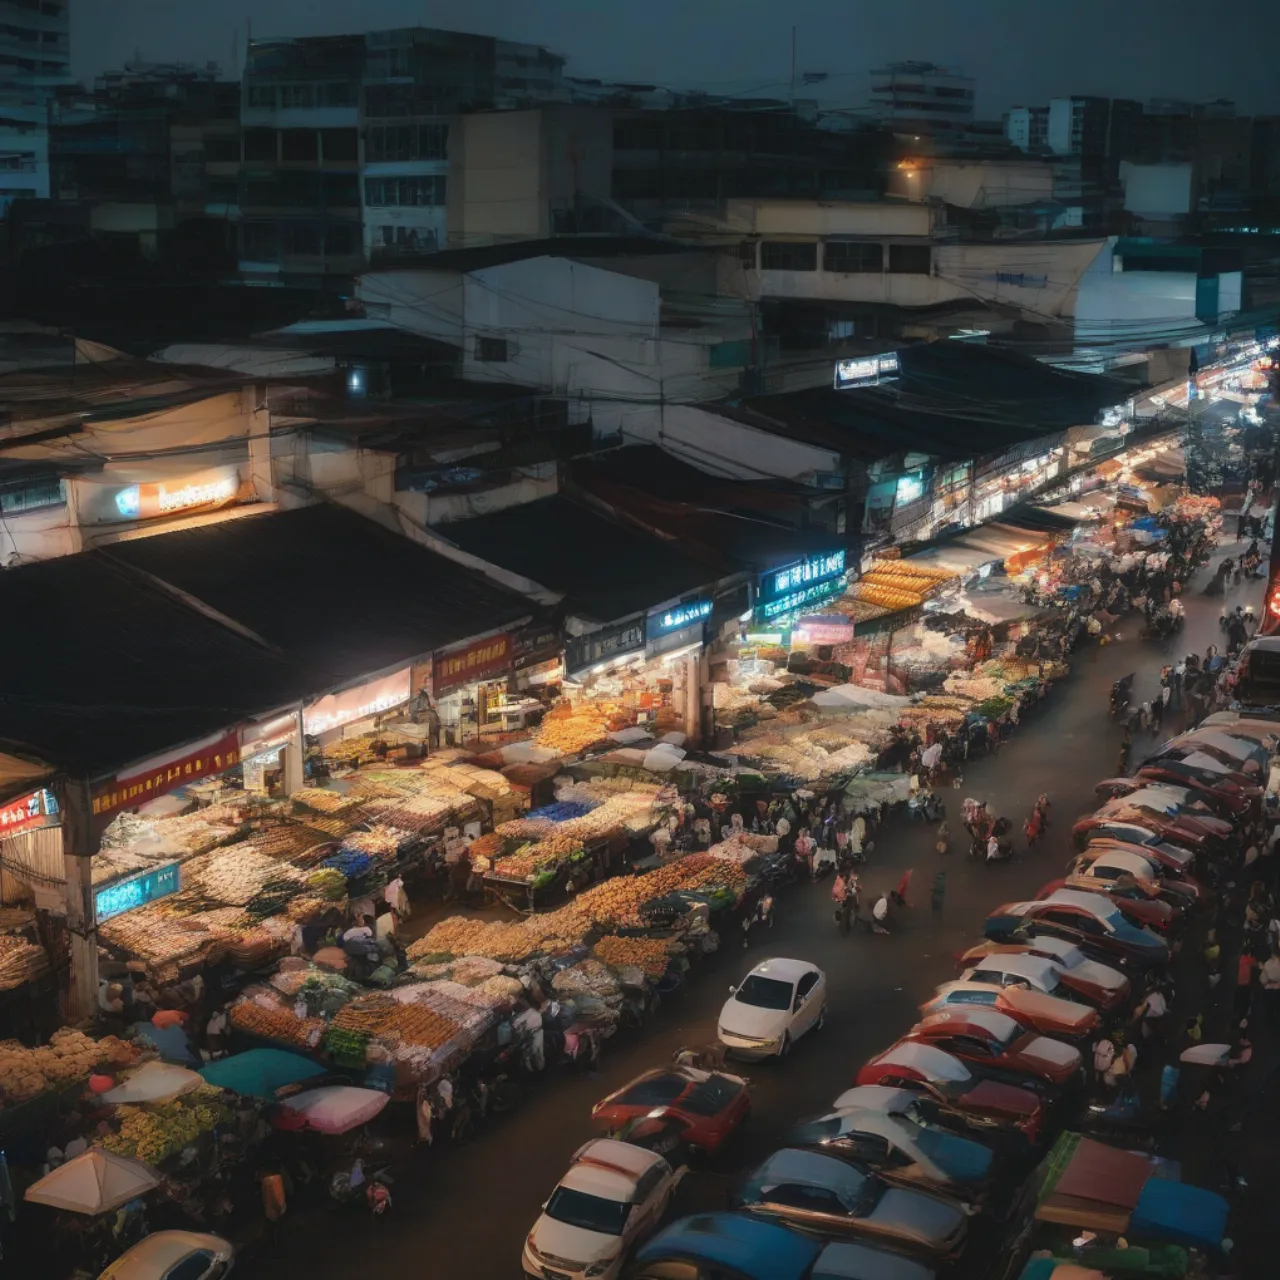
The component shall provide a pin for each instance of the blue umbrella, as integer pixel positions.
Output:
(171, 1043)
(261, 1073)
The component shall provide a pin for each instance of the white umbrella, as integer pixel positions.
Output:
(337, 1108)
(1206, 1055)
(153, 1082)
(93, 1183)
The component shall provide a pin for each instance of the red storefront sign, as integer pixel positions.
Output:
(24, 813)
(169, 773)
(480, 660)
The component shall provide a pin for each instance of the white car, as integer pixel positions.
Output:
(173, 1255)
(778, 1001)
(613, 1196)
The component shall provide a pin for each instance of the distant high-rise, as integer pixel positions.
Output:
(1027, 128)
(35, 59)
(1094, 128)
(921, 97)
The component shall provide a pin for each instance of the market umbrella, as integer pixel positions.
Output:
(171, 1043)
(1206, 1055)
(93, 1183)
(260, 1073)
(336, 1108)
(153, 1082)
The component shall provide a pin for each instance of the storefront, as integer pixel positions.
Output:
(797, 588)
(470, 687)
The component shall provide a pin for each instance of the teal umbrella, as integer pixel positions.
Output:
(261, 1073)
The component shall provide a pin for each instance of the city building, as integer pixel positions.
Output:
(1027, 128)
(35, 60)
(1092, 127)
(921, 97)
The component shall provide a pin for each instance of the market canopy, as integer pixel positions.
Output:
(153, 1082)
(171, 1043)
(336, 1108)
(95, 1182)
(260, 1073)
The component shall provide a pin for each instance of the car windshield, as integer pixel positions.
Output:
(590, 1213)
(657, 1092)
(764, 993)
(712, 1096)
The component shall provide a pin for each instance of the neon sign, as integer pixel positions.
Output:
(804, 573)
(143, 501)
(798, 599)
(683, 615)
(866, 372)
(136, 891)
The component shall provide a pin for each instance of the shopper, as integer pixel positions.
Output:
(880, 914)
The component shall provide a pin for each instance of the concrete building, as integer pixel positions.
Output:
(1027, 128)
(922, 97)
(35, 59)
(1092, 127)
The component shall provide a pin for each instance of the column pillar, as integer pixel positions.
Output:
(78, 847)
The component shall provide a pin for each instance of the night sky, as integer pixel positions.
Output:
(1021, 53)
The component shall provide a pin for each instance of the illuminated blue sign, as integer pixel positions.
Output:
(137, 891)
(804, 573)
(129, 502)
(682, 615)
(771, 609)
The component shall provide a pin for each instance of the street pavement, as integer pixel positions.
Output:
(464, 1211)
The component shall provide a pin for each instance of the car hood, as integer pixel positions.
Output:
(1049, 1051)
(914, 1213)
(1102, 976)
(750, 1020)
(573, 1244)
(958, 1158)
(1001, 1099)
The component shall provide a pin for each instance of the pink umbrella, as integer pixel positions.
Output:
(336, 1108)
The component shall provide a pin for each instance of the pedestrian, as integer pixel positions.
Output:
(1144, 716)
(1157, 712)
(764, 910)
(1151, 1013)
(880, 914)
(1032, 827)
(942, 845)
(1246, 969)
(939, 896)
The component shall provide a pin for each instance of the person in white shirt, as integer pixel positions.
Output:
(880, 914)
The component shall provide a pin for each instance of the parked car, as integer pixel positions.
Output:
(1075, 964)
(1225, 800)
(1075, 915)
(1034, 1010)
(740, 1246)
(1175, 860)
(942, 1076)
(1109, 861)
(174, 1255)
(613, 1195)
(778, 1001)
(1241, 748)
(703, 1108)
(1199, 831)
(1020, 969)
(993, 1041)
(904, 1151)
(827, 1196)
(1144, 908)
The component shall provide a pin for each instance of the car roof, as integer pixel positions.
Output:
(876, 1097)
(1021, 965)
(974, 1018)
(847, 1260)
(1096, 904)
(151, 1257)
(933, 1063)
(1059, 948)
(783, 969)
(871, 1119)
(1125, 860)
(736, 1242)
(608, 1168)
(810, 1168)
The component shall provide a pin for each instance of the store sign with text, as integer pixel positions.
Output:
(605, 645)
(770, 610)
(480, 660)
(200, 492)
(166, 774)
(866, 372)
(534, 646)
(823, 631)
(364, 700)
(124, 895)
(679, 616)
(804, 573)
(28, 812)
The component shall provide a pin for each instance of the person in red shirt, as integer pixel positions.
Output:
(1245, 970)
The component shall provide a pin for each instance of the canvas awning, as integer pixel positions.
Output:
(93, 1183)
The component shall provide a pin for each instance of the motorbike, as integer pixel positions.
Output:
(1122, 694)
(1121, 1116)
(354, 1185)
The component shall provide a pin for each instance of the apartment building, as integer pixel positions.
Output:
(922, 97)
(35, 59)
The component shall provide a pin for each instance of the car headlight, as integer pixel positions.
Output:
(533, 1248)
(600, 1267)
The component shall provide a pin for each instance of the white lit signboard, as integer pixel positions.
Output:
(682, 615)
(137, 891)
(357, 704)
(803, 573)
(866, 371)
(908, 490)
(145, 501)
(771, 609)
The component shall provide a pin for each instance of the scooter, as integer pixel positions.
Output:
(1122, 694)
(350, 1186)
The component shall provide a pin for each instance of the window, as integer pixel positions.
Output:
(31, 495)
(422, 190)
(910, 259)
(297, 96)
(262, 96)
(637, 184)
(869, 1147)
(340, 144)
(299, 145)
(852, 256)
(491, 350)
(785, 255)
(806, 984)
(340, 190)
(588, 1212)
(341, 94)
(259, 144)
(747, 254)
(406, 142)
(193, 1267)
(649, 1182)
(221, 150)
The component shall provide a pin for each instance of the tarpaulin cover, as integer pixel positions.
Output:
(260, 1073)
(153, 1082)
(1179, 1214)
(93, 1183)
(336, 1108)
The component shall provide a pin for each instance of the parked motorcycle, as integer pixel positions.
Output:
(1122, 694)
(354, 1185)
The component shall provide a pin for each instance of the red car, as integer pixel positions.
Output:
(1108, 860)
(1225, 799)
(1049, 1015)
(993, 1040)
(1173, 861)
(941, 1075)
(1138, 906)
(1198, 833)
(706, 1107)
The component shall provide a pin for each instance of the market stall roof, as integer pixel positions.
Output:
(335, 592)
(95, 1182)
(337, 1108)
(604, 570)
(153, 1082)
(1174, 1212)
(260, 1073)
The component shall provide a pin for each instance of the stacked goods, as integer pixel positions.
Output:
(350, 863)
(320, 800)
(274, 896)
(452, 936)
(162, 1129)
(975, 687)
(891, 598)
(287, 842)
(20, 961)
(350, 751)
(590, 978)
(146, 934)
(237, 874)
(910, 569)
(531, 863)
(523, 828)
(486, 850)
(26, 1073)
(860, 610)
(417, 812)
(328, 883)
(570, 730)
(380, 840)
(275, 1023)
(180, 835)
(648, 954)
(331, 828)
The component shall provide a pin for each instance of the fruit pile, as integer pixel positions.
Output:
(571, 730)
(160, 1130)
(237, 874)
(649, 954)
(276, 1024)
(69, 1056)
(320, 800)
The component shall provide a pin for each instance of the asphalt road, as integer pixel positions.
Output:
(464, 1212)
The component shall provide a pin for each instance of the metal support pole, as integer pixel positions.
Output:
(78, 847)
